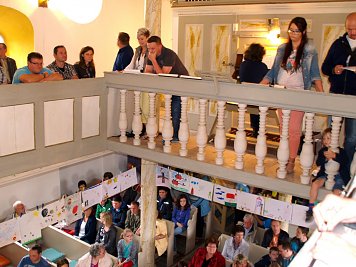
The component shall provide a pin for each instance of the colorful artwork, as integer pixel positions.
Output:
(30, 227)
(127, 179)
(9, 232)
(92, 196)
(162, 176)
(193, 51)
(51, 213)
(73, 207)
(277, 210)
(249, 202)
(201, 188)
(111, 187)
(220, 48)
(225, 196)
(180, 181)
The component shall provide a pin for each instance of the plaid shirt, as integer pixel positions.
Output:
(68, 72)
(2, 76)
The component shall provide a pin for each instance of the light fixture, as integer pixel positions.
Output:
(43, 3)
(274, 30)
(2, 39)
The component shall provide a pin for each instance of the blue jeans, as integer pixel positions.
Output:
(176, 107)
(339, 182)
(178, 231)
(350, 138)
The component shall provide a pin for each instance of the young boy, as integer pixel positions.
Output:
(341, 178)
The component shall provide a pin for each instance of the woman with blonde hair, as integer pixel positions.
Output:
(107, 233)
(127, 250)
(241, 261)
(138, 62)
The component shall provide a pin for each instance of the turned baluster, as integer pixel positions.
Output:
(220, 136)
(167, 127)
(202, 136)
(151, 127)
(261, 144)
(136, 120)
(307, 154)
(283, 149)
(240, 143)
(123, 117)
(183, 133)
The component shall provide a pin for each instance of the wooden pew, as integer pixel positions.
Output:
(190, 233)
(222, 239)
(170, 248)
(256, 252)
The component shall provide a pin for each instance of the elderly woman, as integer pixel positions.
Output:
(96, 256)
(295, 67)
(138, 62)
(208, 256)
(107, 234)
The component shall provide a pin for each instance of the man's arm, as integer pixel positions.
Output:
(31, 78)
(153, 58)
(55, 76)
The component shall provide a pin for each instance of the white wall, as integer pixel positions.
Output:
(44, 188)
(52, 28)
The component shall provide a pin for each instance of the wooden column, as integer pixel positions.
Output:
(148, 212)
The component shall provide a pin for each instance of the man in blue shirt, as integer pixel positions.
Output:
(34, 71)
(34, 258)
(125, 53)
(118, 212)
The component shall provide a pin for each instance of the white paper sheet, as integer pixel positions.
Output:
(180, 181)
(225, 196)
(162, 176)
(9, 232)
(278, 210)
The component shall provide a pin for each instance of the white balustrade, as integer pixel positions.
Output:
(183, 133)
(151, 126)
(283, 149)
(167, 128)
(202, 136)
(261, 144)
(240, 143)
(332, 167)
(123, 117)
(220, 136)
(136, 120)
(307, 154)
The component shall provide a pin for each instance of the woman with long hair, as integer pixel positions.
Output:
(295, 67)
(85, 67)
(181, 214)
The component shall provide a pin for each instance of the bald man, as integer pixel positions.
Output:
(342, 54)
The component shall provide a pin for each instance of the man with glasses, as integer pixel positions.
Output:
(340, 66)
(34, 71)
(236, 244)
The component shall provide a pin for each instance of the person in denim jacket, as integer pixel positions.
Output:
(295, 66)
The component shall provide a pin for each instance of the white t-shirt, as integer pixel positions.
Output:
(289, 77)
(351, 42)
(82, 229)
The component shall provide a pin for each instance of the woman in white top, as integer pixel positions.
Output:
(138, 62)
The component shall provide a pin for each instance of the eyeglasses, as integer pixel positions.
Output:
(294, 31)
(37, 63)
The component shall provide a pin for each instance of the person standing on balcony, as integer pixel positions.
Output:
(60, 65)
(164, 60)
(125, 53)
(295, 67)
(34, 71)
(342, 53)
(7, 63)
(252, 70)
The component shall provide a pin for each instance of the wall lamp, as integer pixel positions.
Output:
(274, 30)
(43, 3)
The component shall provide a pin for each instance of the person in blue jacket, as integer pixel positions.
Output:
(181, 214)
(118, 212)
(85, 228)
(125, 53)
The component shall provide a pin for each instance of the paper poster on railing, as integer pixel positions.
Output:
(73, 207)
(30, 226)
(162, 176)
(298, 216)
(127, 179)
(111, 187)
(9, 232)
(92, 196)
(225, 196)
(201, 188)
(51, 213)
(277, 210)
(249, 202)
(180, 181)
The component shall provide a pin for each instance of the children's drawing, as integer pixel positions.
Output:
(225, 196)
(92, 196)
(180, 181)
(201, 188)
(298, 216)
(111, 187)
(30, 227)
(9, 232)
(51, 213)
(127, 179)
(278, 210)
(162, 176)
(250, 202)
(73, 207)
